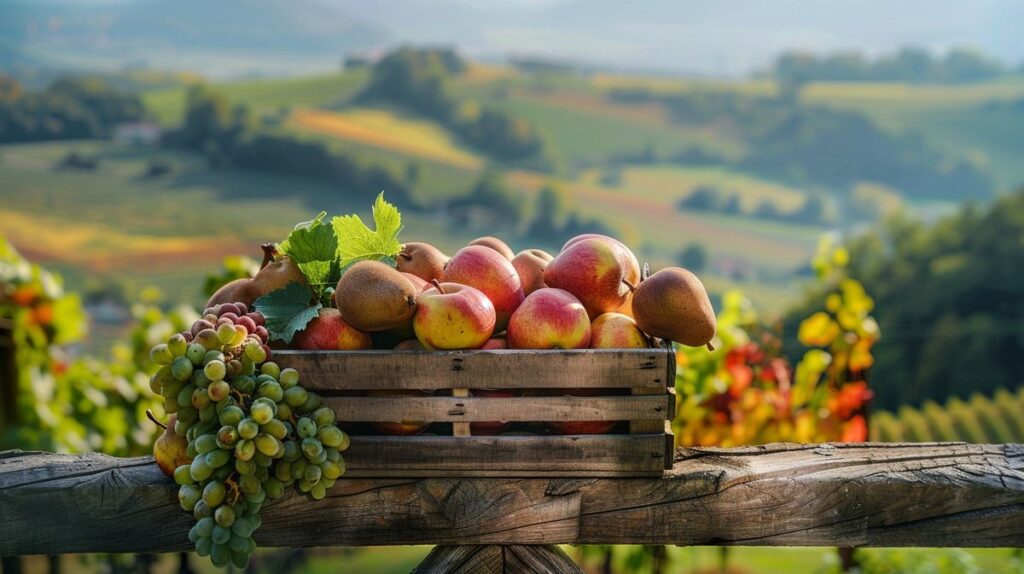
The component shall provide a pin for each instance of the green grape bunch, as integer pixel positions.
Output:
(252, 430)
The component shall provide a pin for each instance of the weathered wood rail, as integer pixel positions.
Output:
(941, 494)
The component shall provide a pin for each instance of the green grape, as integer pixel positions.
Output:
(330, 470)
(299, 468)
(226, 333)
(220, 554)
(292, 452)
(220, 535)
(218, 390)
(330, 435)
(254, 351)
(261, 412)
(225, 516)
(283, 472)
(182, 475)
(245, 467)
(312, 403)
(215, 370)
(202, 510)
(186, 416)
(275, 428)
(271, 368)
(226, 402)
(249, 484)
(234, 368)
(345, 442)
(208, 414)
(185, 394)
(262, 460)
(181, 368)
(271, 390)
(312, 474)
(214, 493)
(237, 544)
(333, 455)
(319, 491)
(231, 415)
(193, 535)
(312, 448)
(205, 527)
(247, 385)
(227, 436)
(240, 560)
(248, 428)
(240, 335)
(328, 482)
(266, 444)
(324, 416)
(203, 546)
(188, 496)
(214, 355)
(161, 354)
(262, 473)
(305, 427)
(245, 449)
(284, 412)
(243, 527)
(208, 339)
(295, 396)
(170, 406)
(206, 443)
(223, 473)
(156, 385)
(172, 388)
(320, 458)
(177, 344)
(289, 378)
(248, 367)
(218, 458)
(195, 353)
(260, 379)
(190, 450)
(274, 488)
(258, 498)
(200, 399)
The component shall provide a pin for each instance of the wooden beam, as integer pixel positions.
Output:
(948, 494)
(497, 560)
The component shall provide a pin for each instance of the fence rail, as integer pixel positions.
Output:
(939, 494)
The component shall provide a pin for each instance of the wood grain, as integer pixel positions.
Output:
(505, 409)
(949, 494)
(326, 371)
(514, 559)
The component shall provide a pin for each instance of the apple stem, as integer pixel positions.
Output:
(630, 284)
(152, 417)
(437, 285)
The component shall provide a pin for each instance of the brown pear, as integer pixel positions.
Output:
(672, 304)
(422, 260)
(169, 449)
(372, 296)
(277, 272)
(495, 244)
(237, 291)
(530, 265)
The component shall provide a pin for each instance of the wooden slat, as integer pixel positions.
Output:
(474, 456)
(459, 427)
(500, 369)
(650, 425)
(892, 495)
(505, 409)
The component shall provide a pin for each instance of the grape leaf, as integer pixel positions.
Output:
(357, 242)
(287, 310)
(313, 246)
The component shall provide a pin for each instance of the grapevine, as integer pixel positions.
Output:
(252, 430)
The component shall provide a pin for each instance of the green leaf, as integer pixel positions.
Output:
(313, 246)
(287, 310)
(357, 242)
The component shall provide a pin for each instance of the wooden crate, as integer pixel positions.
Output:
(642, 447)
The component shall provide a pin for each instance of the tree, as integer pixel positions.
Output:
(693, 257)
(549, 214)
(702, 198)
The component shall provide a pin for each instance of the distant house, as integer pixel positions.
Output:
(137, 133)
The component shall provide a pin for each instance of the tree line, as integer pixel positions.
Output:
(912, 65)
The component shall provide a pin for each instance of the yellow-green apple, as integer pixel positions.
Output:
(494, 344)
(422, 260)
(595, 271)
(453, 316)
(487, 270)
(485, 428)
(399, 428)
(632, 265)
(495, 244)
(616, 331)
(549, 319)
(329, 332)
(169, 448)
(530, 266)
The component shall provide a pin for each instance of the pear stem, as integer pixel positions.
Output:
(437, 285)
(710, 346)
(269, 250)
(152, 417)
(405, 256)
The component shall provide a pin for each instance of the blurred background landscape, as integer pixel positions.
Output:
(777, 149)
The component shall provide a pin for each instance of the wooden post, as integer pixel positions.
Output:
(460, 428)
(538, 559)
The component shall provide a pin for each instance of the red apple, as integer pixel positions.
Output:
(399, 428)
(487, 270)
(633, 266)
(549, 319)
(530, 265)
(495, 244)
(616, 331)
(452, 316)
(329, 332)
(486, 428)
(410, 345)
(596, 271)
(418, 283)
(493, 344)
